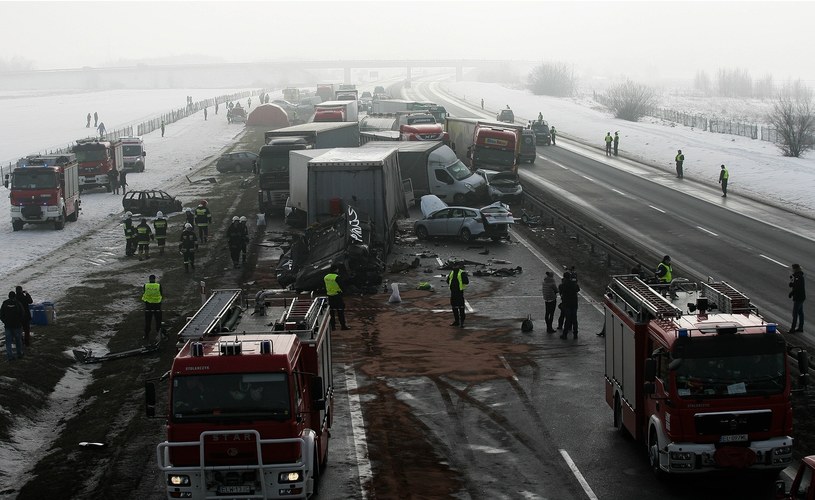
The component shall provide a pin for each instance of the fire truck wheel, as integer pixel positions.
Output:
(59, 224)
(17, 225)
(75, 215)
(653, 454)
(466, 235)
(618, 413)
(316, 475)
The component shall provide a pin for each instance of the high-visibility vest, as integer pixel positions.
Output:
(461, 285)
(161, 228)
(609, 139)
(152, 293)
(725, 174)
(680, 157)
(668, 272)
(202, 216)
(331, 286)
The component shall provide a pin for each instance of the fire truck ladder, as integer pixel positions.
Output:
(210, 318)
(641, 298)
(728, 300)
(302, 314)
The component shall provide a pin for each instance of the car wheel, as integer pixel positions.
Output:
(466, 235)
(532, 161)
(421, 232)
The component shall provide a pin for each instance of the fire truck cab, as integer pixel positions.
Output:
(703, 391)
(250, 406)
(95, 160)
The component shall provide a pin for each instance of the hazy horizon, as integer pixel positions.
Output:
(658, 39)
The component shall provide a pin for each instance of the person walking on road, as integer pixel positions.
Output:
(245, 239)
(11, 314)
(609, 140)
(482, 103)
(160, 228)
(724, 175)
(95, 119)
(113, 180)
(143, 236)
(130, 235)
(123, 181)
(88, 125)
(205, 114)
(162, 128)
(680, 159)
(102, 130)
(798, 296)
(550, 299)
(152, 298)
(458, 281)
(553, 134)
(568, 297)
(188, 246)
(336, 304)
(203, 218)
(616, 141)
(234, 239)
(25, 300)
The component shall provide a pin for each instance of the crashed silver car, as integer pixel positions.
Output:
(467, 223)
(502, 186)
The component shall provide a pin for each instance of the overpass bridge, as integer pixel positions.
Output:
(215, 75)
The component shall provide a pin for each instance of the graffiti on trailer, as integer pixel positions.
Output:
(354, 229)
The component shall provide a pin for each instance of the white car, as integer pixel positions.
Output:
(467, 223)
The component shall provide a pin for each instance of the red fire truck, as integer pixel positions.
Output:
(703, 391)
(250, 406)
(44, 189)
(484, 143)
(95, 159)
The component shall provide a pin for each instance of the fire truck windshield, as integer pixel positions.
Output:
(738, 375)
(238, 395)
(494, 156)
(85, 155)
(131, 150)
(34, 179)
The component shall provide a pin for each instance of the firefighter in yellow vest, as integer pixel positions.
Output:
(458, 281)
(152, 305)
(203, 218)
(724, 175)
(664, 274)
(334, 292)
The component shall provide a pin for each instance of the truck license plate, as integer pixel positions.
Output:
(235, 490)
(732, 438)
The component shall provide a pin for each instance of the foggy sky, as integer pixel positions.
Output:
(655, 39)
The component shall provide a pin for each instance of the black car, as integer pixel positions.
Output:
(150, 201)
(505, 115)
(236, 161)
(543, 136)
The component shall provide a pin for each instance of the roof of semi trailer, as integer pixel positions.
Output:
(355, 155)
(312, 126)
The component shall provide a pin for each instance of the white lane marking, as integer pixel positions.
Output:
(657, 209)
(708, 231)
(587, 178)
(358, 431)
(619, 192)
(441, 262)
(772, 260)
(583, 483)
(468, 306)
(506, 365)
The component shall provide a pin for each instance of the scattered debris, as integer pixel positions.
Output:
(211, 180)
(86, 444)
(86, 355)
(424, 285)
(505, 271)
(498, 261)
(400, 266)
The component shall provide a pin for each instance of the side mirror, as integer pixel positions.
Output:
(650, 370)
(150, 399)
(144, 153)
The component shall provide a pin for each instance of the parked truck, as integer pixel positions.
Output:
(249, 406)
(292, 95)
(273, 161)
(129, 154)
(95, 160)
(366, 179)
(44, 189)
(485, 144)
(346, 95)
(325, 92)
(402, 105)
(705, 386)
(412, 126)
(433, 168)
(336, 111)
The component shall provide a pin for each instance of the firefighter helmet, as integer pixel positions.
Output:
(128, 215)
(204, 202)
(188, 209)
(235, 218)
(243, 218)
(187, 226)
(159, 215)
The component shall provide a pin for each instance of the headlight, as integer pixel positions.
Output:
(468, 186)
(52, 208)
(289, 477)
(178, 480)
(784, 450)
(680, 455)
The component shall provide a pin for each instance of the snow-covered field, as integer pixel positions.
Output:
(757, 168)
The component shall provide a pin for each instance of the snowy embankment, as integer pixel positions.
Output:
(757, 168)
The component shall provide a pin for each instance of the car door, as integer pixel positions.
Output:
(437, 222)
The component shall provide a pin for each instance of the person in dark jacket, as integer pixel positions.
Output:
(203, 218)
(143, 236)
(680, 159)
(234, 240)
(123, 181)
(333, 288)
(550, 299)
(95, 119)
(616, 142)
(152, 298)
(160, 228)
(568, 297)
(190, 215)
(25, 300)
(113, 179)
(11, 314)
(798, 296)
(130, 235)
(188, 246)
(458, 281)
(245, 241)
(88, 125)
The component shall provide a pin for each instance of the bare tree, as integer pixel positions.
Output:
(735, 83)
(763, 87)
(554, 79)
(701, 82)
(630, 101)
(792, 117)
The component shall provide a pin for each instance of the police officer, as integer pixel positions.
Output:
(553, 133)
(334, 292)
(234, 239)
(143, 236)
(609, 140)
(458, 281)
(664, 274)
(152, 305)
(160, 227)
(203, 218)
(130, 235)
(188, 246)
(245, 238)
(724, 175)
(680, 159)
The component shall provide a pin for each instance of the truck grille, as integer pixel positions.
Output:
(31, 211)
(717, 424)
